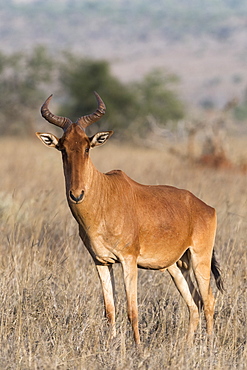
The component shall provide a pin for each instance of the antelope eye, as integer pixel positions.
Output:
(87, 150)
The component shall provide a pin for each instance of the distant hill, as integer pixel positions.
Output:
(205, 43)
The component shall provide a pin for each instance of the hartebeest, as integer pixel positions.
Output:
(151, 227)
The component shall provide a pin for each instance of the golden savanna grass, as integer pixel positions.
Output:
(51, 312)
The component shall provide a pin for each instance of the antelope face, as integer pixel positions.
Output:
(75, 146)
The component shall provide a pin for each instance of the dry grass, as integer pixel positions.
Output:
(52, 314)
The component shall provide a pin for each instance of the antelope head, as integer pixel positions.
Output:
(75, 146)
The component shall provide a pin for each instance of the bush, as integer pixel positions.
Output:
(128, 105)
(240, 111)
(21, 77)
(156, 98)
(80, 77)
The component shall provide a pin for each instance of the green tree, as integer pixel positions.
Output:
(157, 98)
(240, 111)
(80, 77)
(24, 77)
(21, 81)
(128, 105)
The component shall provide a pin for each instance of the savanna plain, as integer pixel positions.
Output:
(51, 311)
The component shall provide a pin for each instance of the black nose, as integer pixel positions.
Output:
(74, 198)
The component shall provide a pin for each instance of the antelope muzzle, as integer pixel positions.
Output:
(76, 197)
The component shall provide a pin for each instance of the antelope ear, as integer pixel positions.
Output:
(49, 140)
(100, 138)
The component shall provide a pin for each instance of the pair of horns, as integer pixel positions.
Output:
(83, 121)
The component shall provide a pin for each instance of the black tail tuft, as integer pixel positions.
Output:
(215, 268)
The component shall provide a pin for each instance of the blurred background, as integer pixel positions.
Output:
(173, 75)
(163, 67)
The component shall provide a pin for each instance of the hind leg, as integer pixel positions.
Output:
(201, 264)
(184, 265)
(193, 291)
(184, 290)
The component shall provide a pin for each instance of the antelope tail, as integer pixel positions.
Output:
(215, 268)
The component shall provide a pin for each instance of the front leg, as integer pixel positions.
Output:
(108, 286)
(130, 282)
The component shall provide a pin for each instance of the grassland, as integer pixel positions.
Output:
(51, 311)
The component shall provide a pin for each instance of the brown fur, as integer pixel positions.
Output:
(152, 227)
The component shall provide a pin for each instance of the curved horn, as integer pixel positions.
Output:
(62, 122)
(86, 121)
